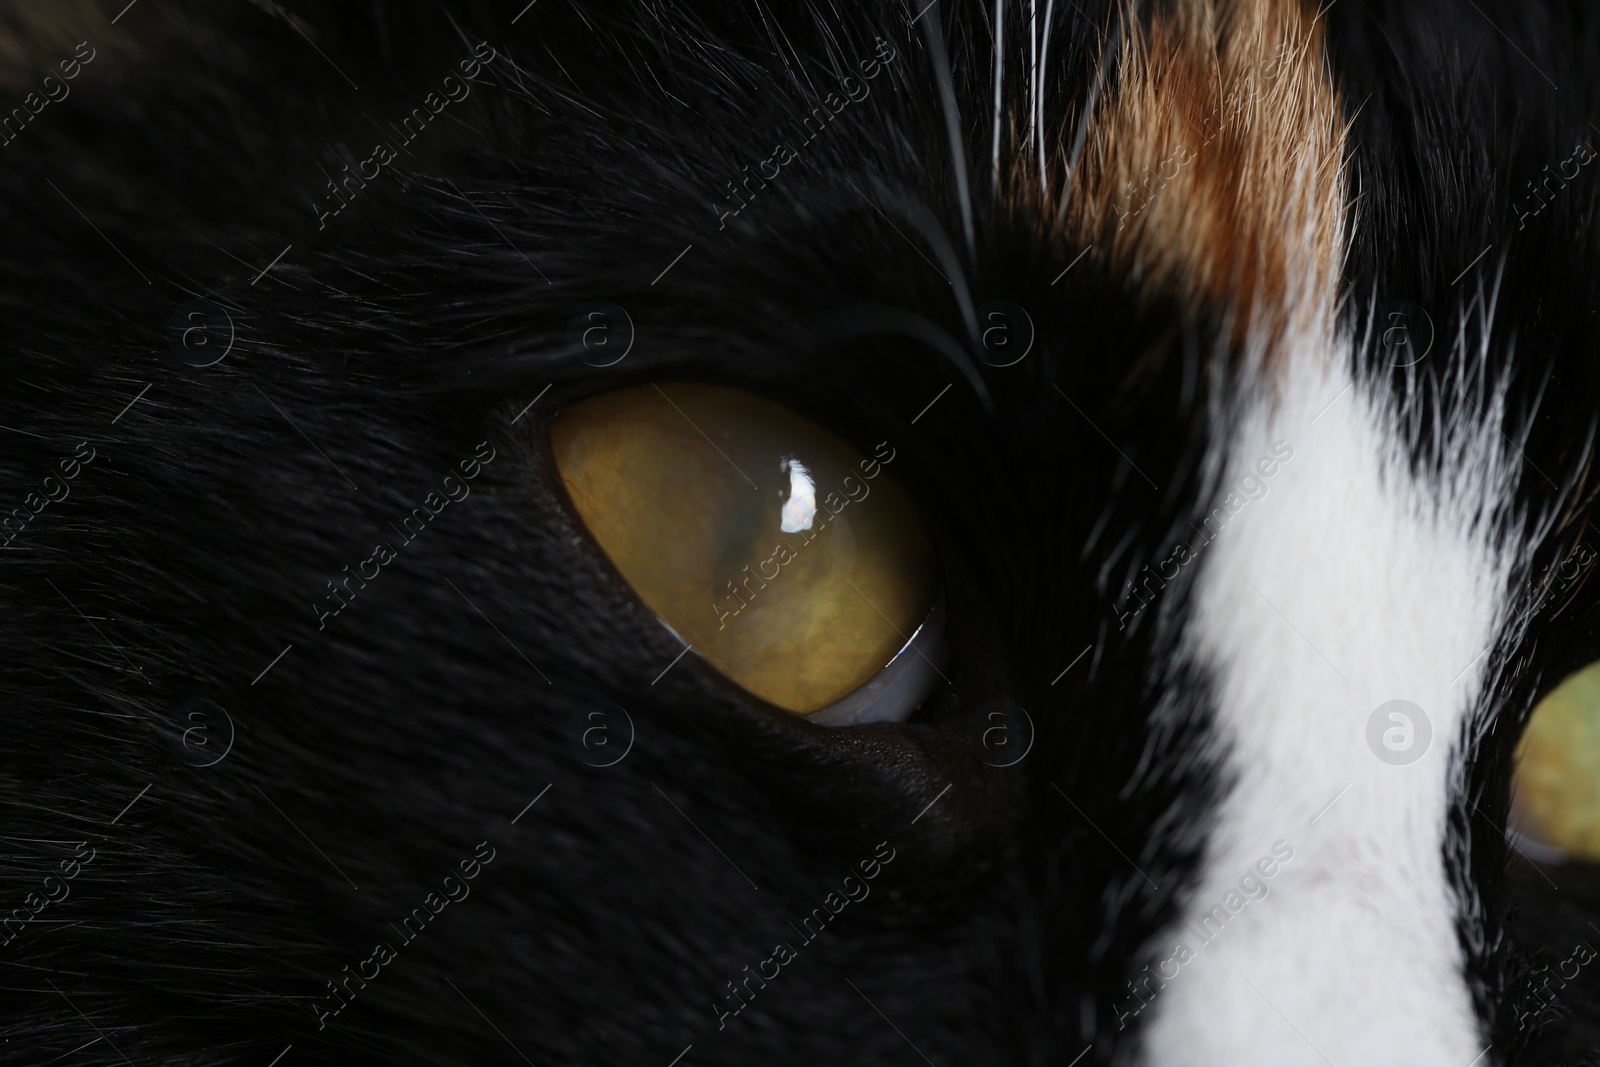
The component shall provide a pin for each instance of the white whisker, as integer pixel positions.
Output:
(1033, 71)
(999, 72)
(1083, 126)
(952, 121)
(1044, 53)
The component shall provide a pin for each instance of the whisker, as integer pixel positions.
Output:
(1083, 122)
(934, 30)
(923, 222)
(858, 321)
(1044, 55)
(999, 72)
(1033, 71)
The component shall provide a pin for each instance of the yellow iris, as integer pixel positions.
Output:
(788, 560)
(1556, 799)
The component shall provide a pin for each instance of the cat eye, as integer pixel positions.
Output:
(781, 556)
(1556, 792)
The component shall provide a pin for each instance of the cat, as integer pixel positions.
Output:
(1238, 357)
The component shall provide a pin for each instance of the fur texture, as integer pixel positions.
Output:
(214, 181)
(1212, 167)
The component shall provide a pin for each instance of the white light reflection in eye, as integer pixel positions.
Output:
(801, 507)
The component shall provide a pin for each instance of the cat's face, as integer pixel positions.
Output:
(968, 533)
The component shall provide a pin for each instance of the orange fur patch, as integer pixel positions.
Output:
(1212, 169)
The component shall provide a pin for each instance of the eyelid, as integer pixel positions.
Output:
(904, 682)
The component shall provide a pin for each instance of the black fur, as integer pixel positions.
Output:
(371, 756)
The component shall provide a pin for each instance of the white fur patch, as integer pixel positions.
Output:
(1352, 583)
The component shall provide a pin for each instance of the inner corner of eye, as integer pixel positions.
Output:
(1555, 805)
(786, 558)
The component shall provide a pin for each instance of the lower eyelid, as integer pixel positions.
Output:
(904, 682)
